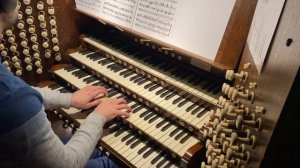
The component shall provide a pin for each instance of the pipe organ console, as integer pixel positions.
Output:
(189, 109)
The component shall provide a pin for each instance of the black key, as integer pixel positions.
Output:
(149, 85)
(119, 68)
(161, 91)
(174, 132)
(136, 143)
(86, 79)
(131, 140)
(177, 100)
(153, 88)
(166, 93)
(94, 56)
(82, 75)
(151, 150)
(137, 109)
(98, 83)
(119, 132)
(139, 79)
(162, 162)
(149, 116)
(156, 159)
(84, 52)
(114, 129)
(70, 68)
(129, 74)
(183, 103)
(201, 114)
(170, 96)
(135, 105)
(91, 80)
(143, 149)
(184, 139)
(113, 93)
(111, 66)
(134, 77)
(125, 72)
(76, 72)
(90, 55)
(196, 110)
(191, 107)
(104, 62)
(143, 81)
(126, 137)
(98, 57)
(153, 119)
(161, 123)
(178, 136)
(166, 127)
(144, 113)
(169, 165)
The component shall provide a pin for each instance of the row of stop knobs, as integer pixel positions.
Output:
(231, 131)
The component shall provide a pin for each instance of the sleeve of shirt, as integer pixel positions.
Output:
(51, 152)
(54, 99)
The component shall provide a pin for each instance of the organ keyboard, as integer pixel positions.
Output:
(178, 92)
(170, 103)
(142, 117)
(120, 139)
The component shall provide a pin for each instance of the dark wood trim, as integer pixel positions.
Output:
(236, 33)
(193, 156)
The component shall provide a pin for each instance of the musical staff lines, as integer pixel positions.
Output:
(94, 6)
(156, 16)
(120, 10)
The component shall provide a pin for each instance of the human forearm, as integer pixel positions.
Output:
(55, 99)
(53, 153)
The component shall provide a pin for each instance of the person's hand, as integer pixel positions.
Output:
(111, 108)
(85, 98)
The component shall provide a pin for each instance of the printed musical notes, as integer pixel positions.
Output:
(155, 16)
(119, 11)
(91, 6)
(196, 26)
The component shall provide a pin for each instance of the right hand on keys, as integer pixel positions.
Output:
(111, 108)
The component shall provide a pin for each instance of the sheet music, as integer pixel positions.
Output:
(90, 6)
(155, 16)
(119, 11)
(196, 26)
(262, 29)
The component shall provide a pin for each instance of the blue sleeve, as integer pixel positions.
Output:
(18, 101)
(17, 105)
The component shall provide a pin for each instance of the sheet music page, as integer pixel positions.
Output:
(119, 11)
(196, 26)
(155, 17)
(90, 6)
(262, 29)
